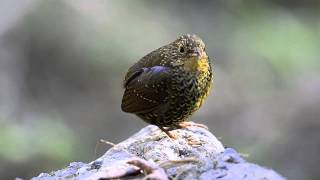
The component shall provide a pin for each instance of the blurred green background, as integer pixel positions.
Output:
(62, 65)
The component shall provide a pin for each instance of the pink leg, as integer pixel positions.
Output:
(171, 135)
(186, 124)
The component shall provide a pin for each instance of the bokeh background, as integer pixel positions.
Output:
(62, 65)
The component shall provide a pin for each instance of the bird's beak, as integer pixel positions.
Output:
(198, 52)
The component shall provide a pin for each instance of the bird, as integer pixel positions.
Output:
(166, 86)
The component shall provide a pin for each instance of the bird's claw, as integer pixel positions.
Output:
(186, 124)
(194, 142)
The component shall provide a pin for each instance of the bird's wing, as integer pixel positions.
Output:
(148, 61)
(146, 89)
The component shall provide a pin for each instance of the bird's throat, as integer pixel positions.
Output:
(196, 65)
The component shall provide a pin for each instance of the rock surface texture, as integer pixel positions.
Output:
(195, 154)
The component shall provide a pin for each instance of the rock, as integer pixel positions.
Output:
(195, 154)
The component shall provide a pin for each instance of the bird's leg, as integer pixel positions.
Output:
(171, 135)
(192, 141)
(186, 124)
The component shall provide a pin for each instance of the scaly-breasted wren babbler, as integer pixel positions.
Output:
(169, 84)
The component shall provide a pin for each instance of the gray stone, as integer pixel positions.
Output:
(195, 154)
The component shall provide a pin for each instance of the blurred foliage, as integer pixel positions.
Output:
(288, 42)
(68, 58)
(22, 142)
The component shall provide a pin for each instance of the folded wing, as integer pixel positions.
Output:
(146, 89)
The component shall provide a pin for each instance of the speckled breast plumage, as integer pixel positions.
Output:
(187, 92)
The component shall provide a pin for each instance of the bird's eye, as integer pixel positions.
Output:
(181, 49)
(204, 48)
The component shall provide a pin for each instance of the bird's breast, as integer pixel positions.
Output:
(191, 89)
(197, 65)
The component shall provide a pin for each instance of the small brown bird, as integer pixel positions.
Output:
(169, 84)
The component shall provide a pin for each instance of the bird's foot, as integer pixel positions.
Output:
(171, 135)
(194, 142)
(186, 124)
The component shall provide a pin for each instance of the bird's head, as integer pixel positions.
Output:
(190, 46)
(190, 52)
